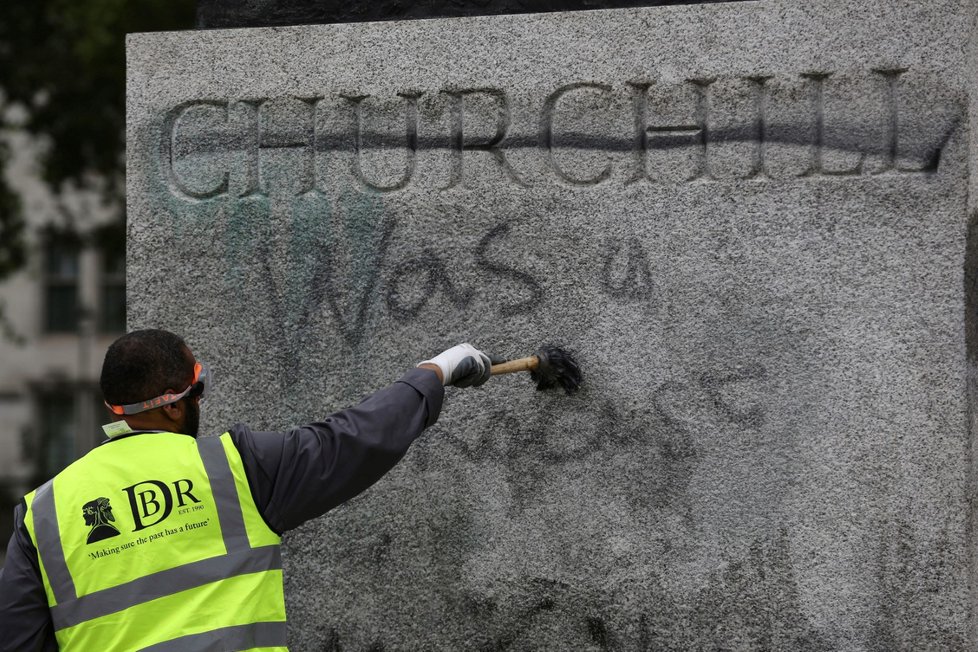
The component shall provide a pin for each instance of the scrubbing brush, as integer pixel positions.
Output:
(549, 367)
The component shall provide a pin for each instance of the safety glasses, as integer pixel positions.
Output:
(202, 378)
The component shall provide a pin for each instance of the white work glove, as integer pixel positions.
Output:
(462, 366)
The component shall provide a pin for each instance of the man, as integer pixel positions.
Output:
(158, 540)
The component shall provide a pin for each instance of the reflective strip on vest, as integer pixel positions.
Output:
(164, 583)
(49, 536)
(68, 610)
(225, 495)
(239, 637)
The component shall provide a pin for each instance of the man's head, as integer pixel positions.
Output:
(147, 364)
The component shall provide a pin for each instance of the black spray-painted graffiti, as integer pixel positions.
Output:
(626, 273)
(350, 294)
(427, 281)
(432, 270)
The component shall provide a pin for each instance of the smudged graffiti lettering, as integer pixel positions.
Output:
(674, 406)
(625, 273)
(503, 626)
(663, 440)
(754, 597)
(714, 383)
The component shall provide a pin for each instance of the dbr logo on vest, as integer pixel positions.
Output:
(97, 514)
(151, 501)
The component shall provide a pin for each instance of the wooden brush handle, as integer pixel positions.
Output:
(513, 366)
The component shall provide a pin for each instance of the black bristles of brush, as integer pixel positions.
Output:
(557, 369)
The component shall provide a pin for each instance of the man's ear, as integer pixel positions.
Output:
(174, 411)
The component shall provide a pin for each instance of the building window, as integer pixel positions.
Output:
(112, 268)
(61, 285)
(57, 423)
(112, 308)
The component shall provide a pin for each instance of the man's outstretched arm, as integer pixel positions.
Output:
(305, 472)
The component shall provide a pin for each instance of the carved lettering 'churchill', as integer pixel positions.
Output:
(178, 185)
(682, 134)
(461, 144)
(547, 134)
(411, 146)
(258, 141)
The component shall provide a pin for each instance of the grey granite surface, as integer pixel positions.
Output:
(751, 222)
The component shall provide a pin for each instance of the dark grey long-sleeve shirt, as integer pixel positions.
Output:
(294, 476)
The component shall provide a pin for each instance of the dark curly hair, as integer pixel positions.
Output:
(142, 365)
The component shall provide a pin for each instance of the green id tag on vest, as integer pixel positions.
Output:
(116, 428)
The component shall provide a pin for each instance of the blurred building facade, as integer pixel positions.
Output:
(60, 313)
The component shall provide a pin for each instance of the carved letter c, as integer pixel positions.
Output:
(547, 135)
(176, 184)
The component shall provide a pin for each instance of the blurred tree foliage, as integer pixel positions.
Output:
(64, 63)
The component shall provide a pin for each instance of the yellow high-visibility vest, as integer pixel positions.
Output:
(154, 542)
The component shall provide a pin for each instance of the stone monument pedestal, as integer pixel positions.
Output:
(750, 220)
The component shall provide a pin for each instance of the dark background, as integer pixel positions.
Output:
(267, 13)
